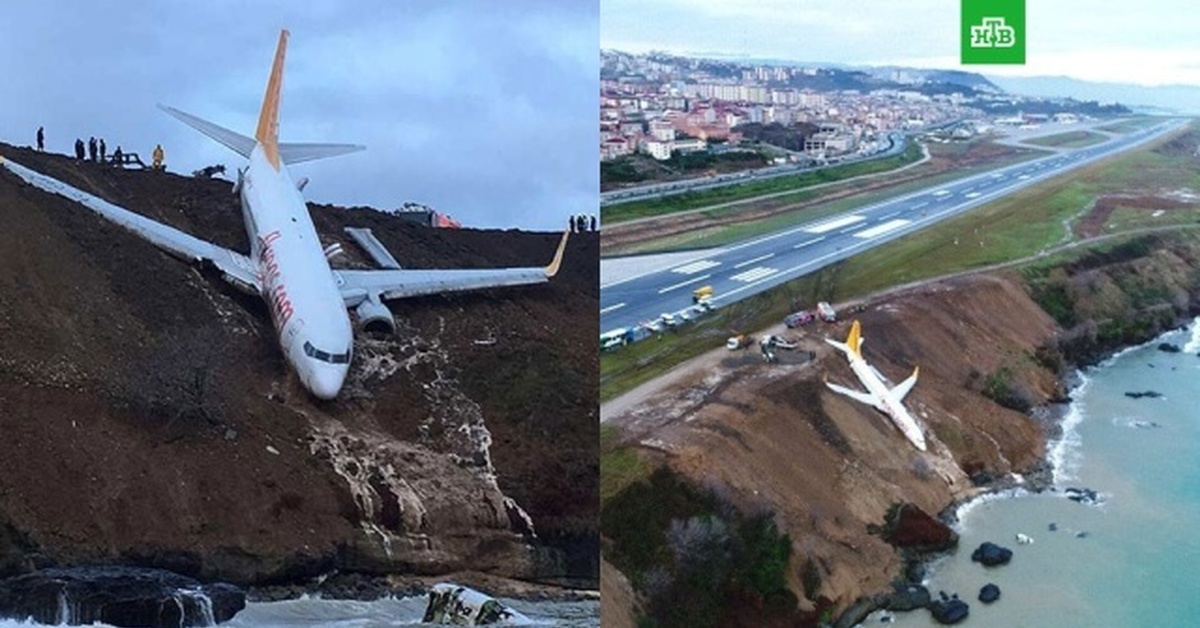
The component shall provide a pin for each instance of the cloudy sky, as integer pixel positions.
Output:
(1149, 42)
(483, 110)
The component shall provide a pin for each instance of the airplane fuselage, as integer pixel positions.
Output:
(306, 306)
(888, 403)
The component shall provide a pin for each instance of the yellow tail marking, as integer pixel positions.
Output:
(552, 269)
(854, 340)
(267, 133)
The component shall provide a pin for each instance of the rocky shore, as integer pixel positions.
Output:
(997, 354)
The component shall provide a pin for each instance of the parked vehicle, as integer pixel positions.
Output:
(703, 293)
(796, 319)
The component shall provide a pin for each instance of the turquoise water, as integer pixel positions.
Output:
(1131, 560)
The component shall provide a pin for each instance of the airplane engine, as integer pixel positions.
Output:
(373, 317)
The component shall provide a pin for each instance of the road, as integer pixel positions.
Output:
(745, 269)
(656, 190)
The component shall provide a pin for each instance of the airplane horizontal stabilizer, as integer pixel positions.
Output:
(900, 391)
(296, 152)
(233, 140)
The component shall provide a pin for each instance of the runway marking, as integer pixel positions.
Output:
(971, 195)
(1024, 176)
(755, 260)
(919, 205)
(804, 244)
(683, 283)
(941, 192)
(606, 310)
(695, 267)
(884, 228)
(835, 224)
(894, 214)
(754, 274)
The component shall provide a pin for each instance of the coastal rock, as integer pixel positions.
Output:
(120, 596)
(1084, 496)
(1167, 347)
(1053, 527)
(950, 611)
(991, 555)
(909, 527)
(989, 593)
(908, 597)
(857, 613)
(1138, 395)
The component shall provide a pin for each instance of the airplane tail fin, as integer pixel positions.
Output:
(267, 133)
(853, 345)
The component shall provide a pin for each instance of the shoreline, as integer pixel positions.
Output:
(365, 587)
(1059, 426)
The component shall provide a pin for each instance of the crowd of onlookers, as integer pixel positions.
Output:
(583, 223)
(96, 150)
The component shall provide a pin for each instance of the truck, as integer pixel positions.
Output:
(826, 312)
(703, 293)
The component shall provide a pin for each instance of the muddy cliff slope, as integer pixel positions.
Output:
(149, 419)
(831, 472)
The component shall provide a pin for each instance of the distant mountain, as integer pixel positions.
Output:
(1175, 99)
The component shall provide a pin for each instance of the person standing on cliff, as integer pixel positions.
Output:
(158, 157)
(79, 149)
(92, 148)
(103, 150)
(41, 139)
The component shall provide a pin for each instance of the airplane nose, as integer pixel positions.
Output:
(327, 382)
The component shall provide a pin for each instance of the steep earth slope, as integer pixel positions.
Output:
(149, 419)
(773, 439)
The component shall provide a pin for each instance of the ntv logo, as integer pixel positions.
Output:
(993, 33)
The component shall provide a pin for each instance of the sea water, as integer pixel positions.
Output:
(386, 613)
(1133, 559)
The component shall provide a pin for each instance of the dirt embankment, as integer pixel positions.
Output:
(772, 438)
(149, 418)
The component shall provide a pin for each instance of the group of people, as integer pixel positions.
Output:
(582, 223)
(96, 150)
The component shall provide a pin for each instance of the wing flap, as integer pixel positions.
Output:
(399, 284)
(905, 386)
(234, 265)
(856, 395)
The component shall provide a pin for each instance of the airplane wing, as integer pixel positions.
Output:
(900, 391)
(236, 267)
(398, 284)
(859, 396)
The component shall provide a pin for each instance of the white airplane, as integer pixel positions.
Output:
(287, 266)
(878, 395)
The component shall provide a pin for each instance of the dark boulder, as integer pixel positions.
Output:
(1167, 347)
(120, 596)
(909, 527)
(907, 597)
(991, 555)
(989, 593)
(949, 611)
(1138, 395)
(1083, 496)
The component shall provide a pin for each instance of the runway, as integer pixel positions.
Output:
(750, 267)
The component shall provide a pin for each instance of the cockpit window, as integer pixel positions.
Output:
(325, 356)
